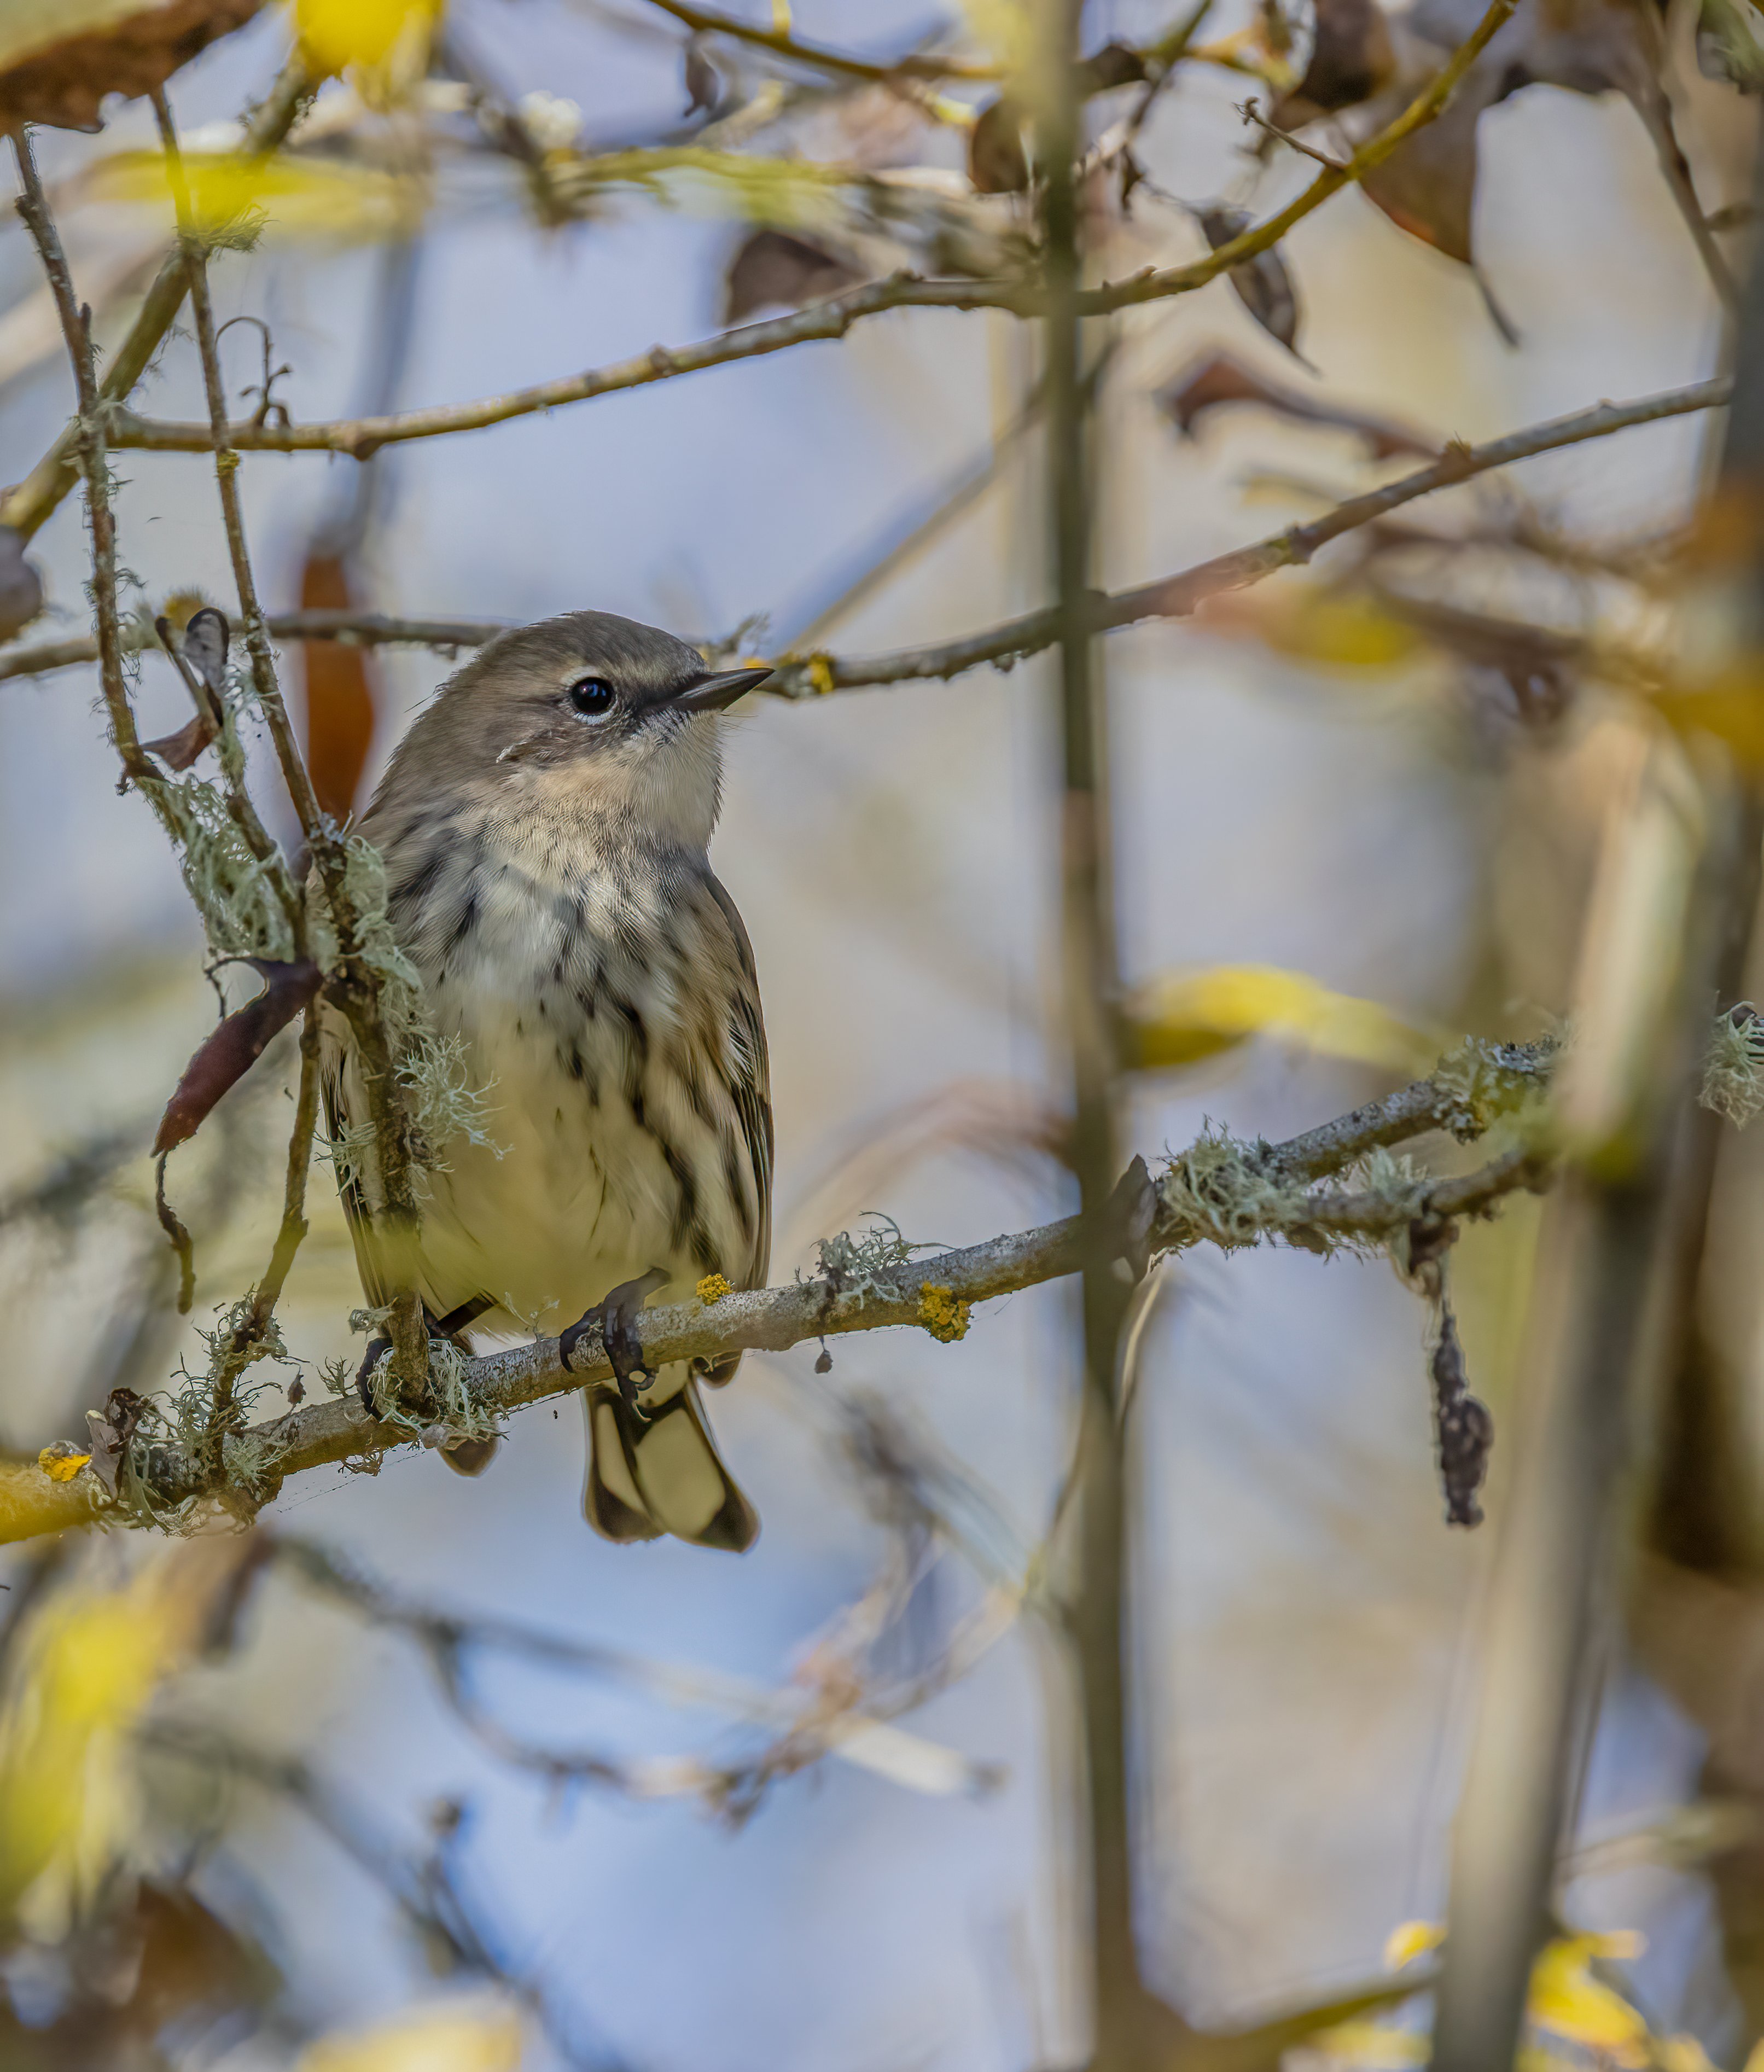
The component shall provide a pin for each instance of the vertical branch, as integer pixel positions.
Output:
(354, 986)
(88, 437)
(1123, 2015)
(1652, 939)
(1626, 1237)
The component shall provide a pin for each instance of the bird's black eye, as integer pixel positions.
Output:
(592, 696)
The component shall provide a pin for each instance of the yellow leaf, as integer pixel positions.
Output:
(1340, 630)
(86, 1667)
(336, 34)
(306, 197)
(1377, 2046)
(1184, 1016)
(1412, 1939)
(1728, 704)
(1567, 2001)
(469, 2036)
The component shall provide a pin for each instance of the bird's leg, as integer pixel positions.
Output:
(616, 1317)
(447, 1327)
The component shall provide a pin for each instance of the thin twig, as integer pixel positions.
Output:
(88, 442)
(26, 507)
(1172, 596)
(831, 319)
(915, 64)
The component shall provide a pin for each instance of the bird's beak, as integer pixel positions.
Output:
(713, 694)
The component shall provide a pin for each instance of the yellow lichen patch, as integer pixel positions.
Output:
(712, 1289)
(63, 1461)
(943, 1314)
(820, 675)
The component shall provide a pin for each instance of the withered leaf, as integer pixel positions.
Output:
(1224, 379)
(339, 686)
(1263, 285)
(204, 649)
(1428, 185)
(1115, 64)
(773, 269)
(223, 1058)
(997, 156)
(21, 589)
(1352, 58)
(179, 750)
(702, 81)
(59, 58)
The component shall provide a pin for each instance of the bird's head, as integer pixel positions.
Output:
(584, 712)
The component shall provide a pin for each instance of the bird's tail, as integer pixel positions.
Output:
(658, 1470)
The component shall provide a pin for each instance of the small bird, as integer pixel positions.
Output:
(545, 825)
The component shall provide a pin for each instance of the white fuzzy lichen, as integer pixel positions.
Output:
(1734, 1066)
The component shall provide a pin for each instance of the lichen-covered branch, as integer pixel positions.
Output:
(1220, 1192)
(1023, 297)
(88, 442)
(354, 984)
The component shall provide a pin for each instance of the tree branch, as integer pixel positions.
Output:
(1172, 596)
(915, 64)
(1464, 1096)
(362, 437)
(26, 507)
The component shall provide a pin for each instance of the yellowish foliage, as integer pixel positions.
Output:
(1372, 2046)
(469, 2036)
(1412, 1939)
(306, 197)
(1336, 629)
(386, 33)
(84, 1671)
(1184, 1016)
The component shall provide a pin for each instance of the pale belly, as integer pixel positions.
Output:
(573, 1194)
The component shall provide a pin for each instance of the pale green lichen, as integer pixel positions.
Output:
(1218, 1190)
(855, 1264)
(241, 910)
(452, 1402)
(1486, 1081)
(1734, 1066)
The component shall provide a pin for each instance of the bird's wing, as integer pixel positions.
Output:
(748, 1086)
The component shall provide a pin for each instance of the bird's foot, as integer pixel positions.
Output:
(364, 1374)
(615, 1318)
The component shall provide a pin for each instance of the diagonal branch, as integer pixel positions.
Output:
(1172, 596)
(1270, 1198)
(362, 437)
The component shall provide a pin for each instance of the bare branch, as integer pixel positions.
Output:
(915, 65)
(362, 437)
(1172, 596)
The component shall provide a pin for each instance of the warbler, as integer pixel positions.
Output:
(544, 825)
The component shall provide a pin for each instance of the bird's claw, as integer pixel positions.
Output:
(364, 1374)
(615, 1319)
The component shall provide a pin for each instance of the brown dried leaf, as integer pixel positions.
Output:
(1352, 58)
(997, 158)
(223, 1058)
(179, 750)
(339, 686)
(773, 269)
(1263, 284)
(20, 590)
(59, 58)
(1428, 185)
(1224, 379)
